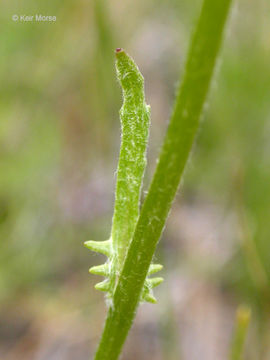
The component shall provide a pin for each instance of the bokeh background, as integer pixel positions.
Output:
(59, 143)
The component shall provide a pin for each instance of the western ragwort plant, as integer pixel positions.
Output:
(135, 233)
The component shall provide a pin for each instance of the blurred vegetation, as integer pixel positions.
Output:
(59, 144)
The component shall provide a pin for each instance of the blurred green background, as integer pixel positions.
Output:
(59, 143)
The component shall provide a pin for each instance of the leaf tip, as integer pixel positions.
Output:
(149, 298)
(103, 286)
(153, 282)
(154, 268)
(102, 270)
(103, 247)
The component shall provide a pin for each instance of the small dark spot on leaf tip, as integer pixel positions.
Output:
(118, 50)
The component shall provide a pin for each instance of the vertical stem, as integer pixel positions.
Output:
(176, 148)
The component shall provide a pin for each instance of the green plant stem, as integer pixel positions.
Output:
(241, 326)
(173, 157)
